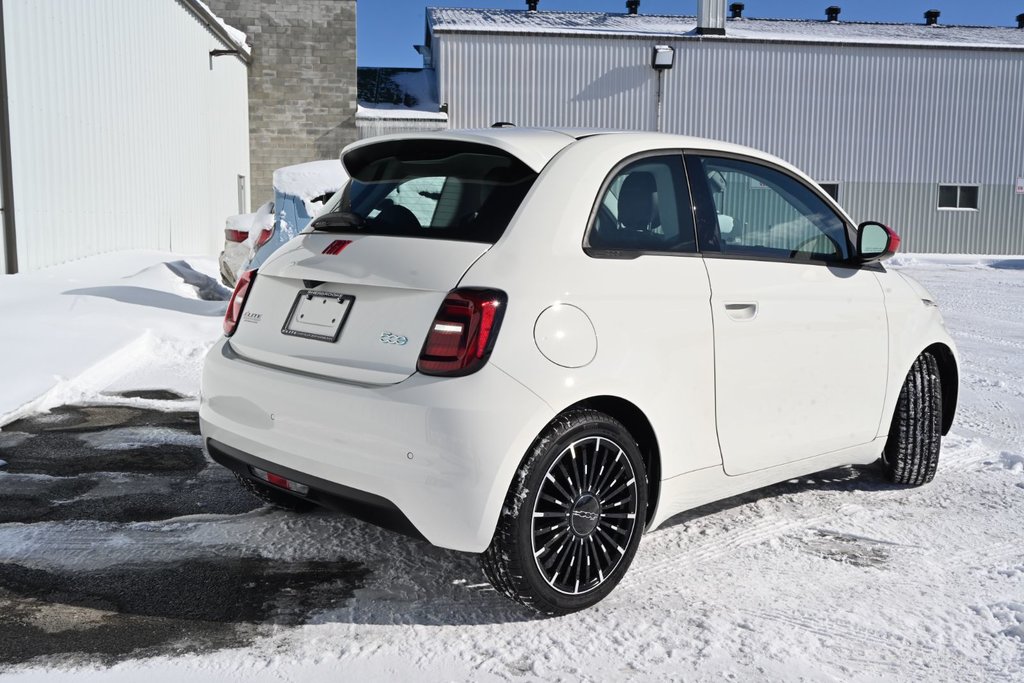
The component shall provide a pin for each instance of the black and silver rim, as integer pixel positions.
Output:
(585, 515)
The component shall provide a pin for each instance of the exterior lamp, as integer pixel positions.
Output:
(663, 57)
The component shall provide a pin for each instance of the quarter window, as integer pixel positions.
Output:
(958, 196)
(762, 212)
(645, 208)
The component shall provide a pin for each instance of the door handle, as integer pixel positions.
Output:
(741, 311)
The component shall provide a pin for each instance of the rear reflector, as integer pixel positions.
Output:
(336, 247)
(264, 236)
(279, 481)
(236, 235)
(237, 301)
(463, 332)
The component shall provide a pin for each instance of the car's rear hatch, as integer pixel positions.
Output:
(354, 296)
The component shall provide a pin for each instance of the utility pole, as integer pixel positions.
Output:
(6, 181)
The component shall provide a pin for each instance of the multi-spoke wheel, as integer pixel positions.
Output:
(573, 517)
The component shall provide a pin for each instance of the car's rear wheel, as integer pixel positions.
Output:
(279, 499)
(573, 516)
(911, 454)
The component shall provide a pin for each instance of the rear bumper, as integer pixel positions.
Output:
(442, 451)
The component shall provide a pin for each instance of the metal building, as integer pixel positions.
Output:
(124, 126)
(918, 126)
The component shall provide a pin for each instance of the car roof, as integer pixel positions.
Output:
(537, 146)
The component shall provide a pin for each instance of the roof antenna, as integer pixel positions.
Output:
(503, 124)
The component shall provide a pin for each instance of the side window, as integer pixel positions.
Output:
(763, 212)
(645, 207)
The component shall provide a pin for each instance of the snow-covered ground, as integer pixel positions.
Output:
(837, 576)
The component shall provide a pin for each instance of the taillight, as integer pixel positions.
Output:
(463, 332)
(237, 301)
(236, 235)
(336, 247)
(264, 236)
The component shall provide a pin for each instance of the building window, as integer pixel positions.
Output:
(831, 189)
(958, 196)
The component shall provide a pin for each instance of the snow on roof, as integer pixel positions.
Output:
(453, 20)
(311, 179)
(394, 93)
(235, 36)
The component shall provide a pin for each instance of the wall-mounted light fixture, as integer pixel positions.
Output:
(663, 57)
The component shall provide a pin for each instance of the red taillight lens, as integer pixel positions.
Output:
(236, 235)
(237, 301)
(336, 247)
(463, 332)
(264, 236)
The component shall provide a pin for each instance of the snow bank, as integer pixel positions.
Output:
(131, 320)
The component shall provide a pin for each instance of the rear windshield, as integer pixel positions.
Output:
(437, 189)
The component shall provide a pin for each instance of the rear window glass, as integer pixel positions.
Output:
(437, 189)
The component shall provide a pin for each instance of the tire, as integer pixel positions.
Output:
(278, 499)
(911, 454)
(580, 499)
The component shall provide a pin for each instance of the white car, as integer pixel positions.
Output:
(537, 345)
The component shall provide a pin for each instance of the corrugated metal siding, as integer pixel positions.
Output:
(544, 81)
(888, 123)
(123, 137)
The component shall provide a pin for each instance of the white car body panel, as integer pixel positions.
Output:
(444, 450)
(787, 336)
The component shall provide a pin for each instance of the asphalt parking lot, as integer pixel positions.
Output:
(113, 473)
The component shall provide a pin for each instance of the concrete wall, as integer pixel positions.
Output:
(125, 133)
(302, 82)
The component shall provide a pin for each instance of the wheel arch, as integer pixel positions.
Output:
(637, 424)
(949, 377)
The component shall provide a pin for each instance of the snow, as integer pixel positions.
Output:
(83, 326)
(397, 111)
(599, 23)
(236, 35)
(835, 576)
(311, 179)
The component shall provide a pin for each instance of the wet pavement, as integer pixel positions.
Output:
(105, 471)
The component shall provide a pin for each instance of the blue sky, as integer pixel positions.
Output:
(387, 29)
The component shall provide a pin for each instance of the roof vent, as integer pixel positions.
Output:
(531, 5)
(832, 13)
(931, 17)
(711, 17)
(737, 10)
(632, 6)
(1020, 21)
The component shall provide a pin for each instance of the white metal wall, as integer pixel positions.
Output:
(888, 123)
(122, 135)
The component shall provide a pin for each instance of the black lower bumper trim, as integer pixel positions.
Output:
(368, 507)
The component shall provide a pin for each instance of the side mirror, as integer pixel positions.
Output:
(876, 242)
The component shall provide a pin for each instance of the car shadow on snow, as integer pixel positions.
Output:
(846, 478)
(154, 298)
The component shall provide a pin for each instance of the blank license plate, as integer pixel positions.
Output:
(318, 315)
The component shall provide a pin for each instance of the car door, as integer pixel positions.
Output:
(800, 332)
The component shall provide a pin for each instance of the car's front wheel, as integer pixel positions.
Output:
(911, 454)
(573, 516)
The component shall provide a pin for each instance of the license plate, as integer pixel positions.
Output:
(318, 315)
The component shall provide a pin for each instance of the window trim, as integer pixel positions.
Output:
(822, 185)
(959, 190)
(630, 254)
(832, 204)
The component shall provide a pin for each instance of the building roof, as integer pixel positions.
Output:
(231, 37)
(457, 20)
